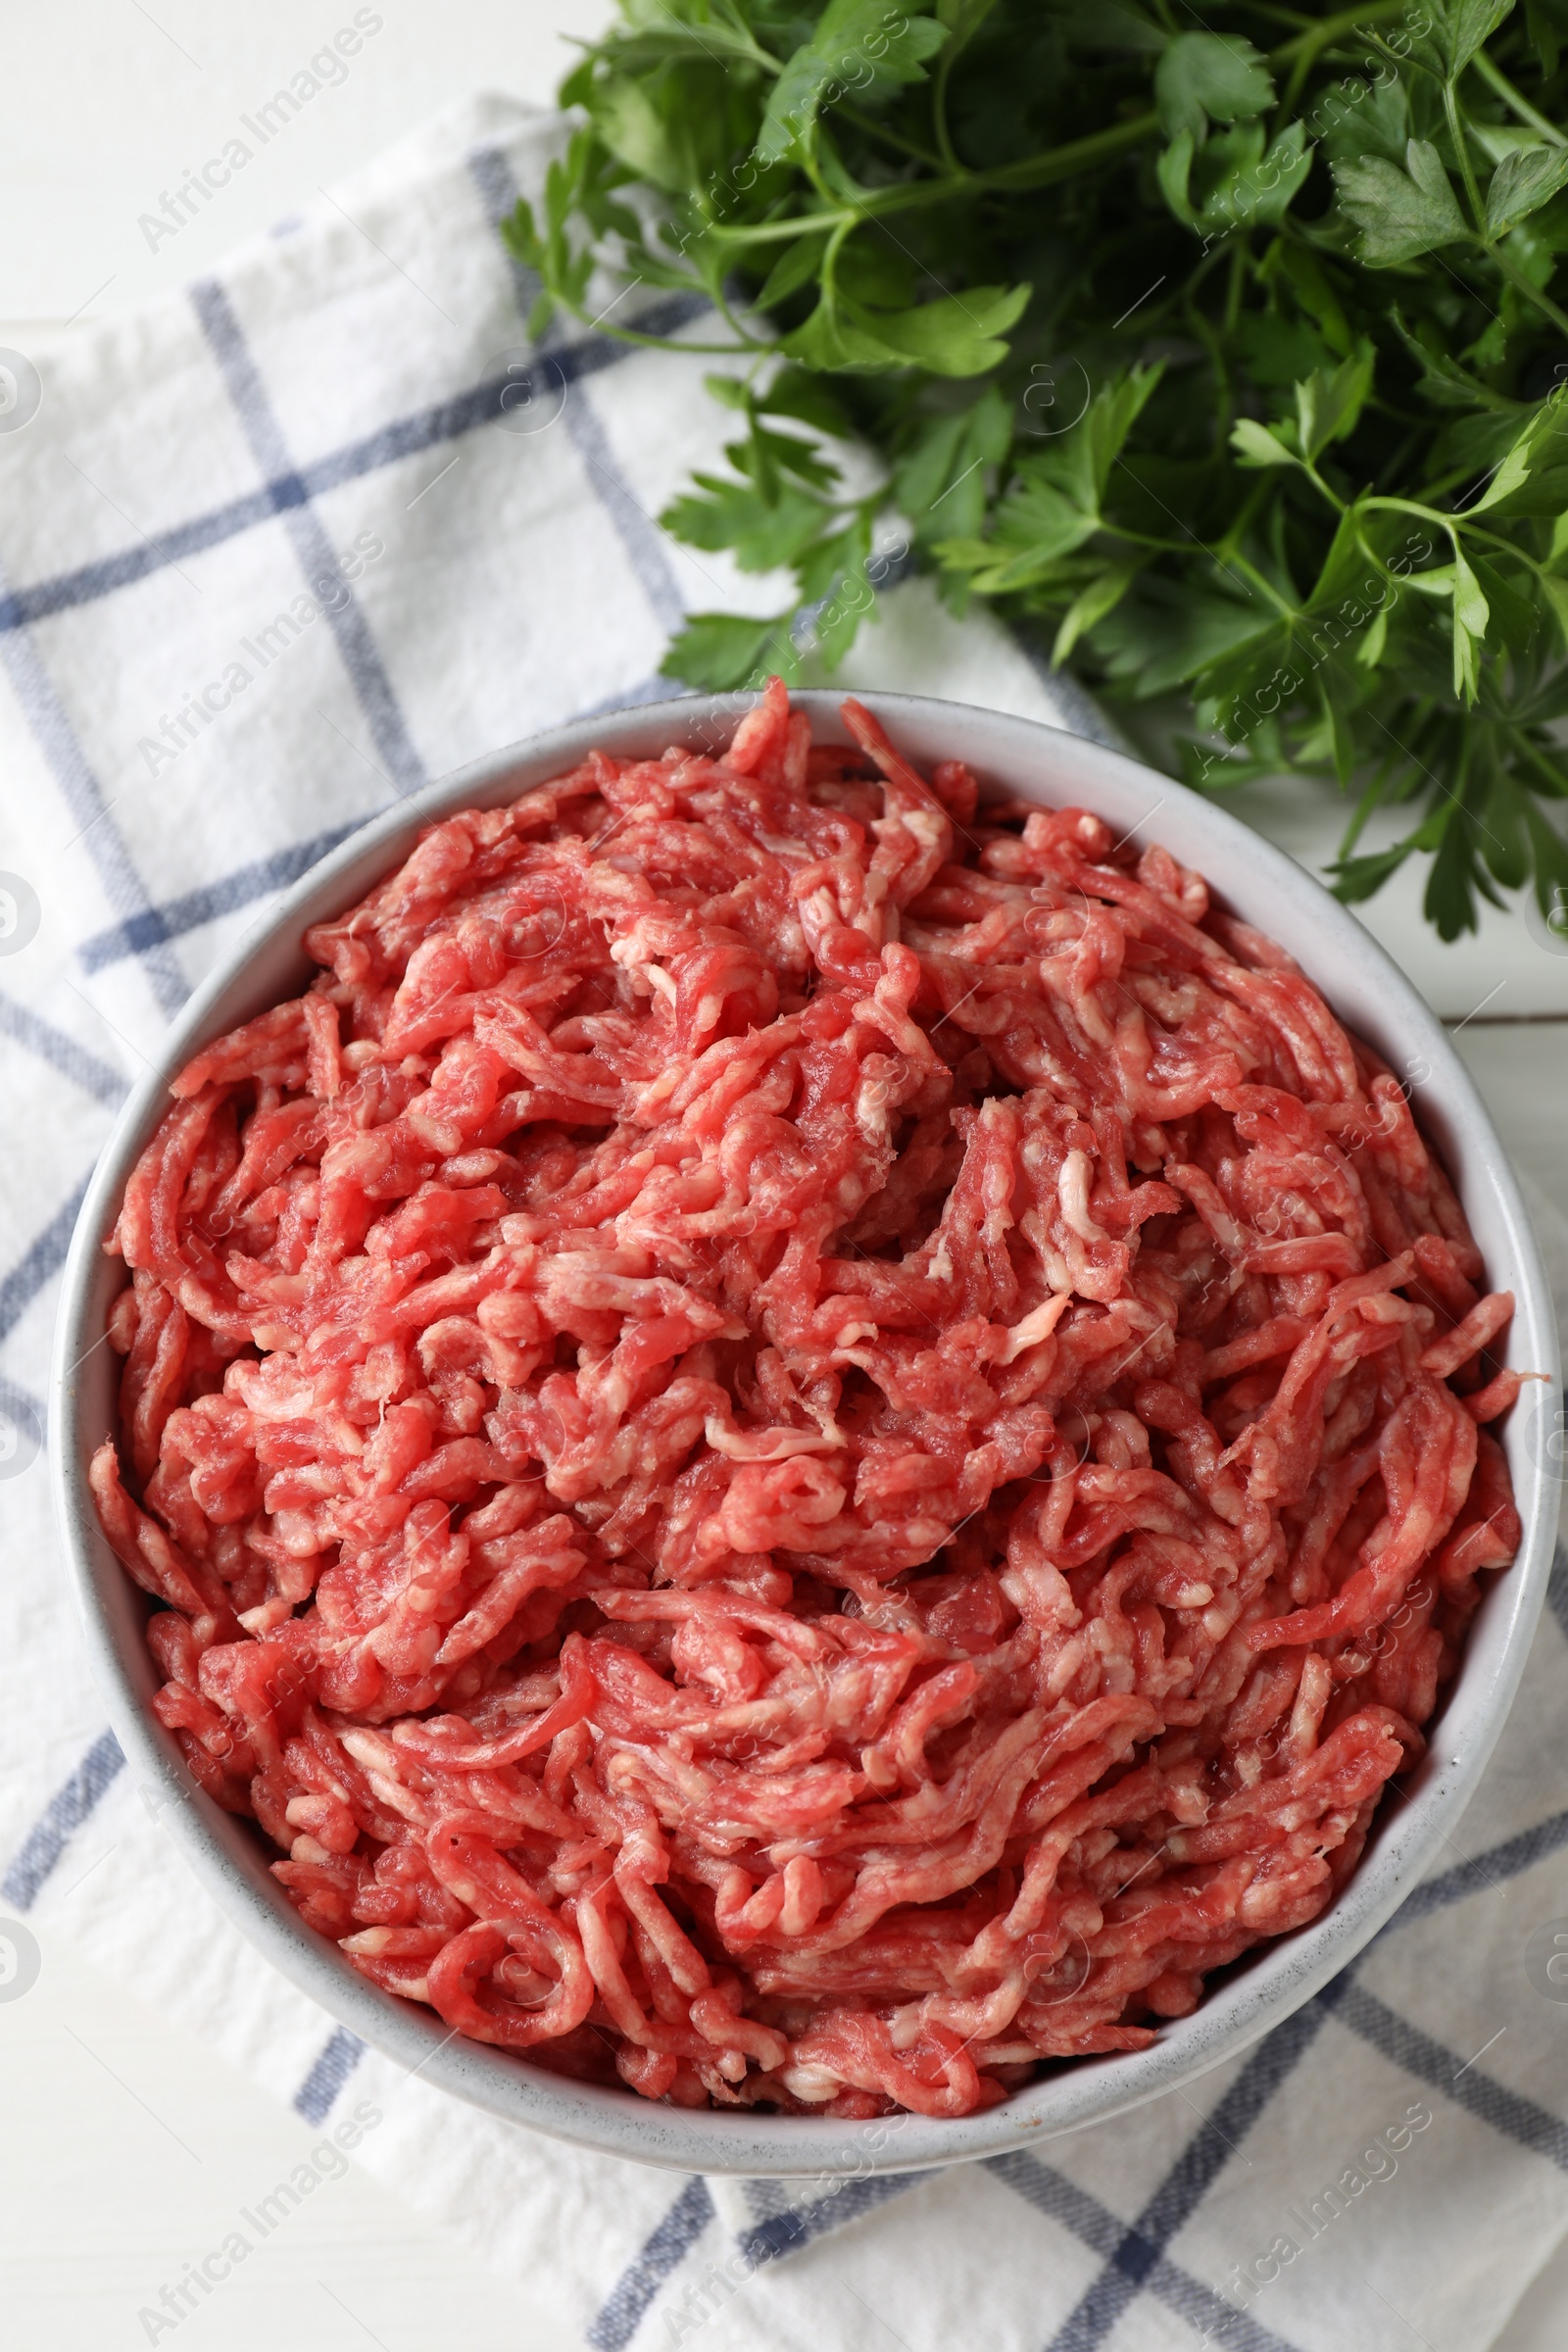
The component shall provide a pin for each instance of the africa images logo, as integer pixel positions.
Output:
(325, 2162)
(324, 71)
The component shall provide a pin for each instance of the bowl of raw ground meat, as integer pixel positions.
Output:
(803, 1466)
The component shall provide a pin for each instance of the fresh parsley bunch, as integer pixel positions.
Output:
(1230, 357)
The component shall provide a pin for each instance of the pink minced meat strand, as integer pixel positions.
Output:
(800, 1446)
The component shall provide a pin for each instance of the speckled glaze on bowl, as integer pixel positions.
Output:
(1369, 994)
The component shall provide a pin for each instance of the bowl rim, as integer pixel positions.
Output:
(1270, 1983)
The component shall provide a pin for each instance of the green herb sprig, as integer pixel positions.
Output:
(1231, 361)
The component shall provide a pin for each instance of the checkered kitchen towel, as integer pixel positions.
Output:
(188, 718)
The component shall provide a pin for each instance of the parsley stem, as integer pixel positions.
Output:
(1062, 162)
(1511, 99)
(1523, 286)
(812, 160)
(1451, 524)
(1408, 506)
(892, 138)
(1260, 580)
(939, 112)
(830, 263)
(778, 233)
(1318, 37)
(1489, 245)
(1462, 149)
(1035, 172)
(1537, 758)
(631, 334)
(1321, 486)
(1223, 548)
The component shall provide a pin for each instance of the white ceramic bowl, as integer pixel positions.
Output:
(1370, 995)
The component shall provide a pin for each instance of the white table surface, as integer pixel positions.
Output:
(103, 103)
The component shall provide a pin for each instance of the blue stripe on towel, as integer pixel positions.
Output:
(69, 1807)
(308, 534)
(795, 2225)
(639, 534)
(42, 1259)
(97, 838)
(406, 436)
(1492, 2102)
(620, 2315)
(1097, 2228)
(336, 2060)
(225, 896)
(275, 871)
(61, 1053)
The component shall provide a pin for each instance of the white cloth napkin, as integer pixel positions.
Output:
(270, 556)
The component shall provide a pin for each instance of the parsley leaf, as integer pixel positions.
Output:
(1203, 77)
(1522, 183)
(858, 44)
(1400, 215)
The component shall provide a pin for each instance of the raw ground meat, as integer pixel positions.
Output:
(801, 1448)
